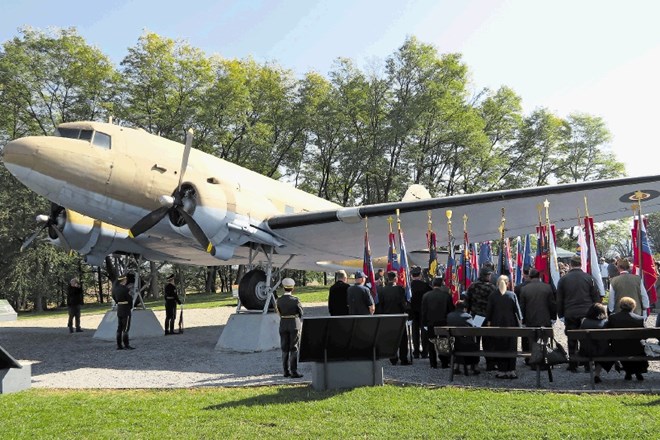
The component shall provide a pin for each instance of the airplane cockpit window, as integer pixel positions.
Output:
(75, 133)
(101, 140)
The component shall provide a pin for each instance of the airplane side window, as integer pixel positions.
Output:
(71, 133)
(101, 140)
(86, 135)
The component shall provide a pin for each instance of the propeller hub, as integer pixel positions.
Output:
(42, 218)
(166, 200)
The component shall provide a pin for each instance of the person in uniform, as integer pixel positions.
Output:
(291, 313)
(337, 302)
(124, 300)
(392, 300)
(418, 288)
(171, 300)
(360, 301)
(74, 301)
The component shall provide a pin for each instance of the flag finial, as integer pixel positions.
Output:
(465, 219)
(586, 207)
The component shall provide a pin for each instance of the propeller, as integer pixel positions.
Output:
(175, 204)
(54, 223)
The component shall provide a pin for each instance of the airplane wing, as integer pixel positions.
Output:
(322, 240)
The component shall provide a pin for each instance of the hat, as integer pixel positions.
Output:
(416, 271)
(121, 277)
(288, 283)
(576, 260)
(360, 274)
(170, 277)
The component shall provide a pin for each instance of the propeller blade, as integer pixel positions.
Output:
(34, 235)
(184, 159)
(196, 231)
(65, 244)
(148, 221)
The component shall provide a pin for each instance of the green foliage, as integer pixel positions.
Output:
(299, 411)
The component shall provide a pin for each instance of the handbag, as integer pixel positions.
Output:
(442, 345)
(536, 356)
(556, 355)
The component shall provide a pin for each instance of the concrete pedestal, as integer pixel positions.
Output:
(346, 374)
(7, 312)
(144, 324)
(250, 332)
(15, 379)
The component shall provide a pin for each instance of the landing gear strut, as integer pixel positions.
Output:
(256, 291)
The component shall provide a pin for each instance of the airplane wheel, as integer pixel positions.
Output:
(252, 290)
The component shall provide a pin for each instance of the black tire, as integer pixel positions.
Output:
(251, 290)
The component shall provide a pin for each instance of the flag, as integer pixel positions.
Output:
(504, 259)
(553, 265)
(527, 253)
(466, 263)
(433, 253)
(541, 259)
(474, 255)
(519, 261)
(582, 250)
(647, 266)
(403, 267)
(592, 266)
(450, 273)
(485, 254)
(392, 257)
(368, 267)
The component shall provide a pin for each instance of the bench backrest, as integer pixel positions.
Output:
(614, 333)
(517, 332)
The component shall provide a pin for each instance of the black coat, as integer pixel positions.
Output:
(337, 301)
(503, 310)
(122, 296)
(436, 304)
(576, 292)
(538, 304)
(74, 296)
(418, 288)
(392, 300)
(628, 347)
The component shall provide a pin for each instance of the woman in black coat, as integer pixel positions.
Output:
(596, 318)
(503, 311)
(628, 347)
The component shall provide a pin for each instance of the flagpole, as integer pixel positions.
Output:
(546, 205)
(450, 249)
(501, 255)
(465, 251)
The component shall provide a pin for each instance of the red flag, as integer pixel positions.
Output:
(648, 265)
(541, 259)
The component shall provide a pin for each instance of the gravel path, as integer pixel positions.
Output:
(63, 360)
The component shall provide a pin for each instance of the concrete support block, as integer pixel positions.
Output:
(346, 374)
(144, 324)
(15, 379)
(7, 312)
(250, 332)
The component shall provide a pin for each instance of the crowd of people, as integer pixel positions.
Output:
(492, 301)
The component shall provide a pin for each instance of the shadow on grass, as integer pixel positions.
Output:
(655, 402)
(283, 396)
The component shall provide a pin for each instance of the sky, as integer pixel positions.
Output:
(597, 57)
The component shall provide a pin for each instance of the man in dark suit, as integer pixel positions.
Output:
(436, 304)
(576, 293)
(418, 288)
(537, 305)
(392, 300)
(337, 302)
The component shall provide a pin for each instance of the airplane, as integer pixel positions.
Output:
(116, 189)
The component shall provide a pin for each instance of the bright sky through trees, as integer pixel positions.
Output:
(598, 57)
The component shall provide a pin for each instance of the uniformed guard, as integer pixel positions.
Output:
(171, 300)
(291, 312)
(124, 300)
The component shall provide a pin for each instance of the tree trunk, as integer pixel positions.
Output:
(211, 273)
(154, 291)
(99, 280)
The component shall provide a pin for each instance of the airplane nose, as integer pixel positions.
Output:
(20, 152)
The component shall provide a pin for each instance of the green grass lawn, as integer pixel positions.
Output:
(193, 301)
(301, 412)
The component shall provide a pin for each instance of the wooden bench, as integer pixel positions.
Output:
(610, 334)
(545, 334)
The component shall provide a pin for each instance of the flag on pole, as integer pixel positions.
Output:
(541, 259)
(450, 273)
(368, 268)
(582, 250)
(527, 253)
(485, 254)
(433, 253)
(552, 257)
(392, 257)
(519, 261)
(593, 267)
(647, 265)
(403, 267)
(504, 259)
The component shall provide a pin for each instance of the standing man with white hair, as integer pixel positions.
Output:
(291, 313)
(337, 301)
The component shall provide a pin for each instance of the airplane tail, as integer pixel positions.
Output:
(416, 192)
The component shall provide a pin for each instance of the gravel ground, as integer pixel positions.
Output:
(63, 360)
